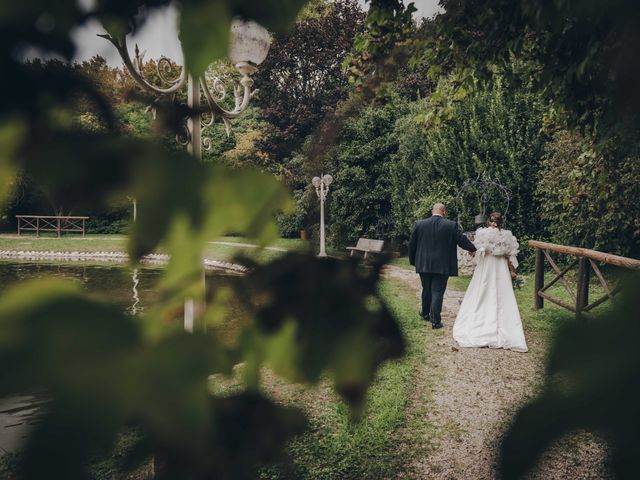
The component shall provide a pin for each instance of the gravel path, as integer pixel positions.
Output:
(476, 393)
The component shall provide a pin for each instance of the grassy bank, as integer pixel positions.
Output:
(90, 243)
(337, 448)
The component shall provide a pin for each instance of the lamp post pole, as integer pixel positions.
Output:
(321, 185)
(249, 46)
(322, 253)
(194, 147)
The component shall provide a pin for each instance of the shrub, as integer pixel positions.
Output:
(495, 131)
(290, 224)
(360, 202)
(108, 224)
(588, 196)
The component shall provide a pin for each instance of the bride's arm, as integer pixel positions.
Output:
(512, 269)
(512, 254)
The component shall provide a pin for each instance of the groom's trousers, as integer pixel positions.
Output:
(433, 287)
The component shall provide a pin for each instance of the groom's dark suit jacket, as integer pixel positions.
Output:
(432, 246)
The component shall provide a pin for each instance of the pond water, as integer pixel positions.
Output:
(131, 289)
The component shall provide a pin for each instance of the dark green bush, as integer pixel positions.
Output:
(114, 223)
(496, 132)
(589, 197)
(290, 224)
(360, 203)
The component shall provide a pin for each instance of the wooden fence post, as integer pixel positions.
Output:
(582, 299)
(539, 279)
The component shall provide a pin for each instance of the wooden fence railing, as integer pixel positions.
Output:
(586, 262)
(51, 223)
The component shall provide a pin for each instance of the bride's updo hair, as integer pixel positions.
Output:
(496, 220)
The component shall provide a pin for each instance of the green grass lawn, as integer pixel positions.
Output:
(337, 448)
(92, 243)
(75, 243)
(402, 262)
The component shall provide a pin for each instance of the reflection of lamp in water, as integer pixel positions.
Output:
(136, 298)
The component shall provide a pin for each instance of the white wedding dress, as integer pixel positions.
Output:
(489, 316)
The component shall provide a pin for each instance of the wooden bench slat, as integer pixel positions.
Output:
(367, 245)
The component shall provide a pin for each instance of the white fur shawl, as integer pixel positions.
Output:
(501, 243)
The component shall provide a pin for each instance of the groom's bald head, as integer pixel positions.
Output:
(438, 209)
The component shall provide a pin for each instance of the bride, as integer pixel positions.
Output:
(489, 315)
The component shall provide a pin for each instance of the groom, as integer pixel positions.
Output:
(432, 250)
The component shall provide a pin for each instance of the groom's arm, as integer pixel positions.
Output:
(463, 242)
(413, 245)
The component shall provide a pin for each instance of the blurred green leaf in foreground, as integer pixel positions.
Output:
(592, 383)
(317, 315)
(102, 372)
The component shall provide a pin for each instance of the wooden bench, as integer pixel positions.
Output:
(367, 246)
(51, 223)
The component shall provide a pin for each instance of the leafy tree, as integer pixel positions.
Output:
(112, 82)
(589, 196)
(84, 114)
(302, 79)
(370, 68)
(133, 119)
(582, 53)
(495, 132)
(380, 48)
(360, 198)
(416, 79)
(240, 146)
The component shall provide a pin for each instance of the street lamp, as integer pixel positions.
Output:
(321, 185)
(248, 47)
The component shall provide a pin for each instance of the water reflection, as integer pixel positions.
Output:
(136, 298)
(17, 416)
(131, 289)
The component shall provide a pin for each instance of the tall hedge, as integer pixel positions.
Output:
(495, 131)
(360, 198)
(591, 197)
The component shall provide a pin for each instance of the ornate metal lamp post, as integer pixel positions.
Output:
(248, 48)
(249, 45)
(321, 185)
(487, 189)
